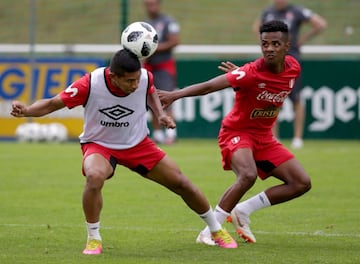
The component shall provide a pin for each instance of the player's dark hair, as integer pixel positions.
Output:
(124, 61)
(275, 26)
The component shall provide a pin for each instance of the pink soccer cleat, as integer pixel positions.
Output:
(93, 247)
(223, 239)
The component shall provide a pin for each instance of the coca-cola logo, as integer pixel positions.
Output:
(273, 97)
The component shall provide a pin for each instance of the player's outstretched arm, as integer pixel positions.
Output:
(216, 84)
(155, 105)
(39, 108)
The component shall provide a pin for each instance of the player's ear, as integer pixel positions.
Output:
(111, 74)
(287, 45)
(287, 41)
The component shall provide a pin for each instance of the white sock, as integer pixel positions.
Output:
(159, 136)
(220, 214)
(210, 220)
(254, 203)
(170, 133)
(93, 230)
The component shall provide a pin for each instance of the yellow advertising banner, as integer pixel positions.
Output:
(25, 80)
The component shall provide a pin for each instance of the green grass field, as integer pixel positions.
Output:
(41, 219)
(202, 21)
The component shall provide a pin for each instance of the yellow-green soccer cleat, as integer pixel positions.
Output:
(93, 247)
(223, 239)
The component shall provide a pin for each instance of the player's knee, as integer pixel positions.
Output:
(249, 176)
(307, 185)
(95, 178)
(303, 185)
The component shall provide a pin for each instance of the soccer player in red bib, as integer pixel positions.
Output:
(247, 144)
(115, 100)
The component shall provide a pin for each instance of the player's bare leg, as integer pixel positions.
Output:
(244, 167)
(97, 169)
(168, 174)
(299, 120)
(295, 183)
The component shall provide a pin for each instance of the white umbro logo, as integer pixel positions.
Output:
(116, 112)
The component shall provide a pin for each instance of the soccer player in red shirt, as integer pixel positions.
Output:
(247, 144)
(115, 132)
(295, 16)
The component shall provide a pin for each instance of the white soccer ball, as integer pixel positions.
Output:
(140, 38)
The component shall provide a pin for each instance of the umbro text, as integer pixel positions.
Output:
(114, 124)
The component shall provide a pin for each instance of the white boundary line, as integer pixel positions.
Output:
(181, 49)
(318, 233)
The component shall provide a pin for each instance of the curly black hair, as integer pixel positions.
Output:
(275, 26)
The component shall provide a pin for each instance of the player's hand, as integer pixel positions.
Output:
(167, 121)
(166, 98)
(227, 66)
(18, 109)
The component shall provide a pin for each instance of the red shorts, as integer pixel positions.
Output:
(140, 158)
(267, 151)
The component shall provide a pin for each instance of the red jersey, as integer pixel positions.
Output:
(78, 92)
(259, 95)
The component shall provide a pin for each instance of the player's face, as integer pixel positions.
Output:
(152, 7)
(274, 47)
(128, 82)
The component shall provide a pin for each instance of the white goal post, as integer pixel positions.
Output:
(181, 49)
